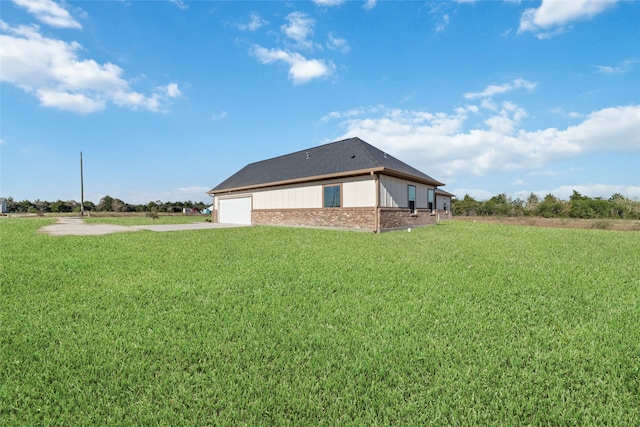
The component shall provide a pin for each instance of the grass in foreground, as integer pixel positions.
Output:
(455, 324)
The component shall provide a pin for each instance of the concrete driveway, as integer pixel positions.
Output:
(75, 226)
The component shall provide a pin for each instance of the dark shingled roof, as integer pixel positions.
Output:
(441, 192)
(340, 158)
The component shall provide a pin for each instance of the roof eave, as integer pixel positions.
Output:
(297, 180)
(411, 177)
(381, 169)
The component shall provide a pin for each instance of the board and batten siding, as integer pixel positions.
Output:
(394, 193)
(356, 192)
(443, 202)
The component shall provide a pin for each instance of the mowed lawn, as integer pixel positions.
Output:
(456, 324)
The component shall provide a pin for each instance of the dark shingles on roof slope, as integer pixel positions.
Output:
(338, 157)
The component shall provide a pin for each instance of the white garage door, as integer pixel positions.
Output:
(235, 211)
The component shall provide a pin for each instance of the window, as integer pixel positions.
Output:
(430, 201)
(332, 196)
(412, 198)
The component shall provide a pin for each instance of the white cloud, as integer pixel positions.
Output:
(506, 119)
(328, 2)
(556, 14)
(337, 43)
(76, 102)
(181, 4)
(301, 70)
(369, 4)
(173, 91)
(621, 68)
(442, 143)
(49, 12)
(299, 28)
(354, 112)
(615, 128)
(254, 24)
(219, 116)
(442, 25)
(52, 70)
(493, 90)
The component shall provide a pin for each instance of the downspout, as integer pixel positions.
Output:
(215, 217)
(435, 202)
(377, 208)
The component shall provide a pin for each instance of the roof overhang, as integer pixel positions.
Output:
(378, 170)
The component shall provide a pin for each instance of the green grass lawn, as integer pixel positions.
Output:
(457, 324)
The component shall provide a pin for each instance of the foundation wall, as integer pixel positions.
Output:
(398, 218)
(354, 218)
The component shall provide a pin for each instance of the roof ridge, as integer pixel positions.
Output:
(303, 150)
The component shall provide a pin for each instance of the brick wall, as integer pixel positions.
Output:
(355, 218)
(444, 215)
(397, 218)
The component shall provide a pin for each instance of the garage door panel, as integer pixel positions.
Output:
(236, 210)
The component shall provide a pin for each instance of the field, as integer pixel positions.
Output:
(457, 324)
(536, 221)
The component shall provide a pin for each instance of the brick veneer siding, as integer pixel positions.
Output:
(398, 218)
(355, 218)
(444, 215)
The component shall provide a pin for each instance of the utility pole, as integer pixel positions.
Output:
(81, 188)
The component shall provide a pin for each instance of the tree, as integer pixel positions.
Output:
(42, 206)
(105, 204)
(550, 207)
(517, 207)
(498, 205)
(467, 206)
(11, 205)
(61, 207)
(25, 206)
(531, 204)
(623, 207)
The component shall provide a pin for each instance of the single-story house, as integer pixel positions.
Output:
(443, 200)
(344, 184)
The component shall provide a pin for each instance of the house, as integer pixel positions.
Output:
(443, 200)
(344, 184)
(3, 205)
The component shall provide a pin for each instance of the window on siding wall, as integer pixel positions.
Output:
(332, 196)
(430, 195)
(412, 198)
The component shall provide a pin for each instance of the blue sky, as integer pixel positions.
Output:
(166, 99)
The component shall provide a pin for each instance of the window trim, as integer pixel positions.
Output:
(413, 208)
(339, 185)
(431, 194)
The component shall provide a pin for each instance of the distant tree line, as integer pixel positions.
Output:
(106, 204)
(578, 206)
